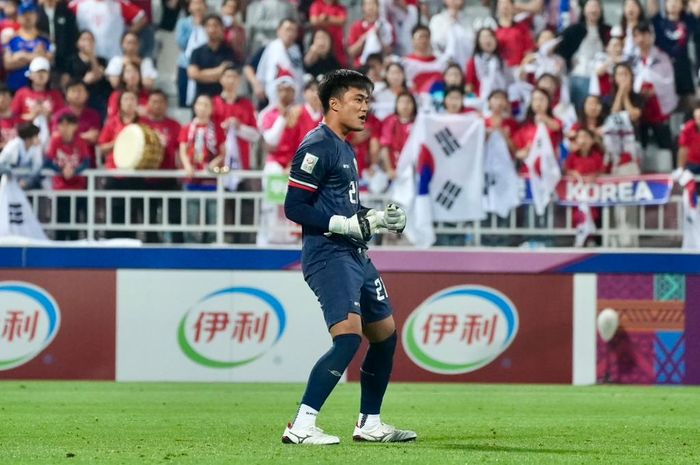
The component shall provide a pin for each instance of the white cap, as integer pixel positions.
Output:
(39, 64)
(285, 81)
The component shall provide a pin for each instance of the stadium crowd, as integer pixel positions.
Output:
(77, 73)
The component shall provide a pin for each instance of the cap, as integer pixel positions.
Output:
(284, 78)
(27, 7)
(39, 64)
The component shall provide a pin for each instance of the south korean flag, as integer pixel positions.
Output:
(456, 143)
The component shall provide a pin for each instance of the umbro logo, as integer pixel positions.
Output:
(335, 373)
(346, 166)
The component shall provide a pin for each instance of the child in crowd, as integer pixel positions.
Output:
(395, 131)
(68, 155)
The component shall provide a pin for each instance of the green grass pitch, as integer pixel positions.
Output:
(125, 423)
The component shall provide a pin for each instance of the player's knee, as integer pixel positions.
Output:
(388, 345)
(347, 345)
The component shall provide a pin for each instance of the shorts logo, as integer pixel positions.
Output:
(231, 327)
(309, 163)
(460, 329)
(29, 321)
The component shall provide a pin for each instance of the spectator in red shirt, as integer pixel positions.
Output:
(539, 111)
(9, 24)
(68, 156)
(168, 131)
(605, 64)
(201, 141)
(485, 69)
(395, 131)
(501, 117)
(89, 120)
(362, 28)
(689, 143)
(592, 117)
(654, 78)
(236, 116)
(311, 111)
(331, 16)
(586, 161)
(130, 81)
(38, 99)
(8, 120)
(514, 38)
(202, 147)
(127, 114)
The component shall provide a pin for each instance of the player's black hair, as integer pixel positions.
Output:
(337, 82)
(68, 118)
(27, 130)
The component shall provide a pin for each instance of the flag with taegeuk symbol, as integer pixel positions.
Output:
(543, 168)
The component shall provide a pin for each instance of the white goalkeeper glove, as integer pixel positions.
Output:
(392, 218)
(361, 225)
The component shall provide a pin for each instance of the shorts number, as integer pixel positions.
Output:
(381, 289)
(353, 192)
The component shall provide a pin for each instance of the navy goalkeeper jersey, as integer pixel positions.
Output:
(326, 165)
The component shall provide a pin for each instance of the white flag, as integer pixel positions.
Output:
(543, 168)
(691, 215)
(16, 215)
(585, 226)
(372, 45)
(456, 144)
(502, 181)
(232, 159)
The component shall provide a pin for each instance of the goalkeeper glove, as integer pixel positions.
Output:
(392, 218)
(361, 225)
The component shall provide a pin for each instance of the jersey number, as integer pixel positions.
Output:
(381, 289)
(353, 192)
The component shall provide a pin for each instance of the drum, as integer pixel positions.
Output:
(138, 147)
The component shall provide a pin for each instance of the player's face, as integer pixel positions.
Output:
(353, 109)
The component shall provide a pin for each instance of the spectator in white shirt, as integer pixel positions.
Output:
(130, 49)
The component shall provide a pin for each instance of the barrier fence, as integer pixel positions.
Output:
(160, 211)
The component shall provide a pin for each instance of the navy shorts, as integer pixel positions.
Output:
(347, 283)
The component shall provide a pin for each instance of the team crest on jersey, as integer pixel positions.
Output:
(309, 162)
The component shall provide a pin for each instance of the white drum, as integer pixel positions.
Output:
(138, 147)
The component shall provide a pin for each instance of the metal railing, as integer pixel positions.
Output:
(177, 215)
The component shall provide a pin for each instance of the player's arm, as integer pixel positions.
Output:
(307, 172)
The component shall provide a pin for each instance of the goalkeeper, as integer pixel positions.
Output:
(323, 197)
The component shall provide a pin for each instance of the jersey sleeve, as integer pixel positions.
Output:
(309, 167)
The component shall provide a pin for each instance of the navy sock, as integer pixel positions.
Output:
(329, 368)
(375, 374)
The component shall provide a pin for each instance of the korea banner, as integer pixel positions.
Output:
(16, 215)
(502, 192)
(607, 191)
(543, 168)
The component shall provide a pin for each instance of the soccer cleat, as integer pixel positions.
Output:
(311, 436)
(383, 433)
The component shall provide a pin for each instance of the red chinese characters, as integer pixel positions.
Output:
(20, 325)
(242, 326)
(471, 328)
